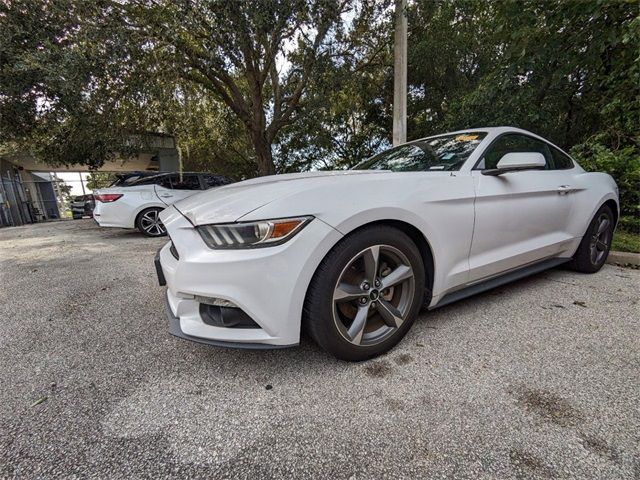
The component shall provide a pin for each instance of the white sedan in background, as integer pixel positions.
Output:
(137, 204)
(352, 256)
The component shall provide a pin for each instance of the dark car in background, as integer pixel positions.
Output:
(82, 206)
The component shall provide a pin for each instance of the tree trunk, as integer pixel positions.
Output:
(264, 155)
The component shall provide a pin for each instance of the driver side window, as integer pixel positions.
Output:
(513, 142)
(165, 182)
(187, 182)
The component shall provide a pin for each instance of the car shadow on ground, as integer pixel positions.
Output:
(427, 320)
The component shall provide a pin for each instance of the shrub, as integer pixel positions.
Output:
(624, 166)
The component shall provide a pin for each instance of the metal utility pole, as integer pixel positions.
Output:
(58, 194)
(400, 74)
(82, 183)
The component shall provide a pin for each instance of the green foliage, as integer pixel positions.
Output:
(257, 58)
(249, 88)
(452, 49)
(569, 71)
(626, 242)
(209, 135)
(98, 180)
(630, 224)
(623, 165)
(350, 111)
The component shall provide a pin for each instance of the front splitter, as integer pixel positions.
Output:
(175, 330)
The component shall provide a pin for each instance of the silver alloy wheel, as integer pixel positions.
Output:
(601, 239)
(151, 224)
(373, 295)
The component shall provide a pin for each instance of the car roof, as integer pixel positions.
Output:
(488, 130)
(494, 132)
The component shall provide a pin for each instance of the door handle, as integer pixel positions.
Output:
(564, 189)
(166, 196)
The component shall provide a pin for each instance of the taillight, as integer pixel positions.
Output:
(107, 197)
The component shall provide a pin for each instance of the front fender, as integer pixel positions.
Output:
(598, 188)
(439, 206)
(449, 241)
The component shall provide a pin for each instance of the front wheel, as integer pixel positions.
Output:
(149, 224)
(366, 293)
(596, 243)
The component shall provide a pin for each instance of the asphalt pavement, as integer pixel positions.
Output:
(538, 379)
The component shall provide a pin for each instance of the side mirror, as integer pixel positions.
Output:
(515, 161)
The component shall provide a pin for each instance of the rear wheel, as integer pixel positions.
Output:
(365, 294)
(149, 224)
(596, 243)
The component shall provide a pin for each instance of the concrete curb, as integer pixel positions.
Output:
(624, 259)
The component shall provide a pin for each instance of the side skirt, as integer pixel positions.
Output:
(499, 280)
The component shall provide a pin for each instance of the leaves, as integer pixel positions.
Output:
(249, 88)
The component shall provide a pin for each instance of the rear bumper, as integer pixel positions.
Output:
(113, 214)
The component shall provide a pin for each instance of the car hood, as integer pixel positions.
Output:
(231, 202)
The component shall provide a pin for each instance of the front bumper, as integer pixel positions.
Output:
(267, 284)
(175, 330)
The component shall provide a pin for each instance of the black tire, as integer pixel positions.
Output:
(324, 317)
(597, 237)
(153, 229)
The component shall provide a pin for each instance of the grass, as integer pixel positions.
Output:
(626, 242)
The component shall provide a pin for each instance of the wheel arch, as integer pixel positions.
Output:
(613, 205)
(609, 200)
(418, 238)
(143, 209)
(140, 210)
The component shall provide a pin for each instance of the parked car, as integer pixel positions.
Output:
(82, 206)
(138, 203)
(352, 256)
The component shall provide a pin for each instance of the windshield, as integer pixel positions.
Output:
(447, 152)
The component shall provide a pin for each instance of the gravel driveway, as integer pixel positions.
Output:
(537, 379)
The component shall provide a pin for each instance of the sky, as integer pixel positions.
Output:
(73, 179)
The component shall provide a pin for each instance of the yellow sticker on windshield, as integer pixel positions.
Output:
(466, 138)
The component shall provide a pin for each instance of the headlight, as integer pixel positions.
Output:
(263, 233)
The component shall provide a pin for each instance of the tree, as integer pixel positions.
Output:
(257, 57)
(48, 80)
(350, 100)
(452, 48)
(98, 180)
(73, 90)
(569, 71)
(250, 88)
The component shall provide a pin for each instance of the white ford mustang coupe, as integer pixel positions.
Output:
(352, 256)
